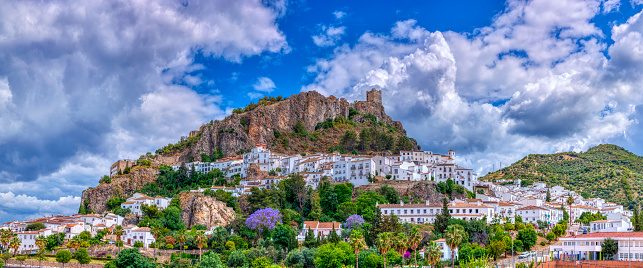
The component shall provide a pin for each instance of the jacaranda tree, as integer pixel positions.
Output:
(264, 220)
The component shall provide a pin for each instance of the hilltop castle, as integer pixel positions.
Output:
(374, 96)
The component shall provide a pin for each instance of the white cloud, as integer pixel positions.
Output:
(255, 95)
(81, 79)
(329, 36)
(611, 5)
(264, 84)
(339, 14)
(30, 207)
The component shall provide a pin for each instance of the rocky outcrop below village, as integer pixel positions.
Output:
(242, 131)
(424, 190)
(122, 186)
(198, 209)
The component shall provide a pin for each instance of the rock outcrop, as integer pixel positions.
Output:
(198, 209)
(122, 186)
(242, 131)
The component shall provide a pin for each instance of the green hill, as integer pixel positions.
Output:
(606, 171)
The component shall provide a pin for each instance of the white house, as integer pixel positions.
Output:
(28, 239)
(446, 250)
(319, 228)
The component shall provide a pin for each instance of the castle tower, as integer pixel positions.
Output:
(374, 96)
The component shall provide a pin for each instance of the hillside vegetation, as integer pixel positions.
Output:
(605, 171)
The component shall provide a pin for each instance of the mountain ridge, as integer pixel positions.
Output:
(606, 171)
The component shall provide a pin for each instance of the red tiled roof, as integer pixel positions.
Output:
(609, 234)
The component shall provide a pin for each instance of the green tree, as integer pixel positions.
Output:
(454, 235)
(548, 197)
(345, 210)
(35, 226)
(172, 218)
(390, 194)
(82, 256)
(333, 237)
(130, 258)
(236, 259)
(348, 141)
(332, 255)
(497, 247)
(210, 259)
(442, 219)
(528, 237)
(550, 237)
(609, 248)
(310, 241)
(63, 256)
(282, 236)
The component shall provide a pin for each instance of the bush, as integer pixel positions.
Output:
(543, 243)
(21, 258)
(109, 256)
(138, 244)
(6, 256)
(169, 246)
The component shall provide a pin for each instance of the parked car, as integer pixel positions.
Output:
(523, 255)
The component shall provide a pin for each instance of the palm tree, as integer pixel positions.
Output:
(5, 238)
(200, 239)
(75, 243)
(384, 244)
(357, 242)
(15, 245)
(41, 242)
(399, 243)
(118, 231)
(414, 239)
(454, 235)
(433, 253)
(570, 201)
(156, 232)
(180, 239)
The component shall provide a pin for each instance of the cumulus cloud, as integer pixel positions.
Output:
(80, 79)
(329, 36)
(264, 84)
(535, 81)
(339, 14)
(30, 207)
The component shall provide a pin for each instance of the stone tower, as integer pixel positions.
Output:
(374, 96)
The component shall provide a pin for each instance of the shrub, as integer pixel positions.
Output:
(543, 243)
(21, 258)
(138, 244)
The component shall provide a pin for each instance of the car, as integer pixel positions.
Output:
(533, 253)
(523, 255)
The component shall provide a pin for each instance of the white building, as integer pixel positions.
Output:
(319, 229)
(426, 213)
(28, 240)
(133, 234)
(588, 246)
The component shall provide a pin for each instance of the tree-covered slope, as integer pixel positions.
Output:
(606, 171)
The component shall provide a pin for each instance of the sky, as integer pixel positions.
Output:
(83, 84)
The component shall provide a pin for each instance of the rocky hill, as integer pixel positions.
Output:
(122, 186)
(605, 171)
(306, 122)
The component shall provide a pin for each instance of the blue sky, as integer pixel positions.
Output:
(82, 85)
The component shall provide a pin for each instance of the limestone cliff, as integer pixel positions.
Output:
(242, 131)
(197, 209)
(121, 186)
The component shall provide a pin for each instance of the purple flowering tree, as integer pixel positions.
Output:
(354, 222)
(264, 219)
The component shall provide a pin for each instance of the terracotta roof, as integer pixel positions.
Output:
(143, 229)
(532, 207)
(609, 234)
(587, 207)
